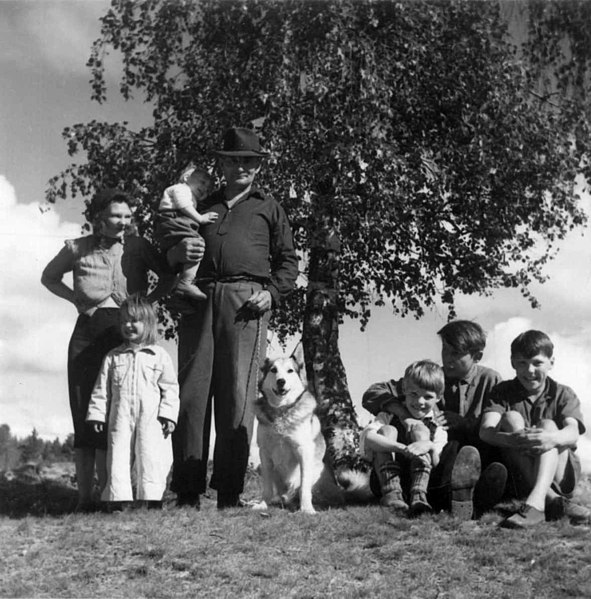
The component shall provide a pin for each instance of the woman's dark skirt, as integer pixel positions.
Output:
(93, 337)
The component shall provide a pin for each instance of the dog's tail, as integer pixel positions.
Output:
(355, 485)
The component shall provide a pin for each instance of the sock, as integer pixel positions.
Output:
(389, 476)
(419, 476)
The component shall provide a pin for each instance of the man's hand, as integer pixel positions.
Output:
(396, 407)
(188, 251)
(260, 301)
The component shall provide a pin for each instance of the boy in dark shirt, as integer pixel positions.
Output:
(537, 422)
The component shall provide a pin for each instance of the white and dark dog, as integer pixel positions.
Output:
(291, 443)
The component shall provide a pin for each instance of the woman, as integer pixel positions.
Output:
(107, 266)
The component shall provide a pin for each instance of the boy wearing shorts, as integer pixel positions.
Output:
(536, 422)
(405, 453)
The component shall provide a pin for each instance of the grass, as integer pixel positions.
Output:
(353, 552)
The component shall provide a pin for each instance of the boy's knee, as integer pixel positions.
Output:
(511, 422)
(419, 432)
(547, 425)
(389, 432)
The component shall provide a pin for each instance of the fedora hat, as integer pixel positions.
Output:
(239, 141)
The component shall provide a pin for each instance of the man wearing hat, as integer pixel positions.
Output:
(249, 264)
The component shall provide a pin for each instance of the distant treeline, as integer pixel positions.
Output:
(15, 452)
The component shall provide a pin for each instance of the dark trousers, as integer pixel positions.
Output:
(93, 337)
(440, 482)
(220, 349)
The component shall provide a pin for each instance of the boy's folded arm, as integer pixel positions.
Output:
(376, 442)
(568, 435)
(489, 433)
(374, 400)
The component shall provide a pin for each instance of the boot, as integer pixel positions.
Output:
(420, 470)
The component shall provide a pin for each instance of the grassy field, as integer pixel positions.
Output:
(353, 552)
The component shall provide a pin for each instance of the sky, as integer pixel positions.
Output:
(44, 45)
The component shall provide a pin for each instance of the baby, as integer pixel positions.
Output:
(178, 218)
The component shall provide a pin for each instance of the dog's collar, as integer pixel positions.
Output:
(271, 413)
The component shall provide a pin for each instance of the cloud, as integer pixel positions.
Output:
(36, 31)
(35, 324)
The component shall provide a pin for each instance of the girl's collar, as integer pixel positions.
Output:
(135, 348)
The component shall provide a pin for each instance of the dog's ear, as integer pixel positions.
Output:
(265, 366)
(298, 357)
(263, 370)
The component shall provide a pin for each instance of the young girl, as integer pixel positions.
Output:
(177, 218)
(137, 392)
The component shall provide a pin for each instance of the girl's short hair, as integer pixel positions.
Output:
(531, 343)
(137, 307)
(427, 375)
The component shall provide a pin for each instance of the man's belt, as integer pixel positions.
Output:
(232, 279)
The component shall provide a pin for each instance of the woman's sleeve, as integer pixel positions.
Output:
(154, 260)
(60, 264)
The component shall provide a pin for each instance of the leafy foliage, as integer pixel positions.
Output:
(417, 133)
(17, 452)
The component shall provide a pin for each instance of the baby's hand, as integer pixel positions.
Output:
(168, 427)
(210, 217)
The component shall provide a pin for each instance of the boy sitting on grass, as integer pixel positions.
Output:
(457, 483)
(404, 454)
(536, 422)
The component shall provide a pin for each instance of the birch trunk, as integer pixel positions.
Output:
(325, 370)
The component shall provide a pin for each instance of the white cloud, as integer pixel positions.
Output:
(35, 324)
(35, 32)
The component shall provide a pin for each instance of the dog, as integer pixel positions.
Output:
(291, 444)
